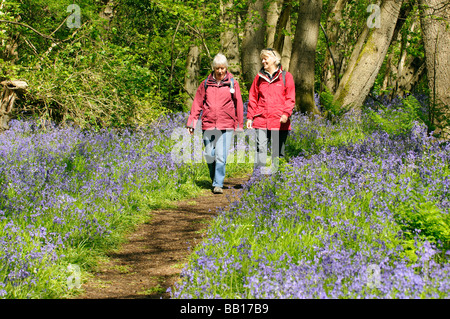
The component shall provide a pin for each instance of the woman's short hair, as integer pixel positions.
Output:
(219, 60)
(271, 52)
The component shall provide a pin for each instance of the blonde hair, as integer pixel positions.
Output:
(271, 52)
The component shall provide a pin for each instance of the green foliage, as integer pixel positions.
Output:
(122, 72)
(418, 216)
(309, 137)
(397, 119)
(92, 84)
(332, 109)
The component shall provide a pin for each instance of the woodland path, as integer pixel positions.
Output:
(153, 256)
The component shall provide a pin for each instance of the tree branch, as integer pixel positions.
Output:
(31, 28)
(336, 71)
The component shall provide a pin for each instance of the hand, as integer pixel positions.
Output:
(283, 118)
(249, 124)
(191, 130)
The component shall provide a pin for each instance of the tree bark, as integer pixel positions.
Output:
(410, 69)
(360, 76)
(335, 57)
(435, 15)
(303, 57)
(7, 100)
(192, 74)
(282, 24)
(108, 11)
(410, 76)
(253, 41)
(272, 21)
(229, 39)
(287, 48)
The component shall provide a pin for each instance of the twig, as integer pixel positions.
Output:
(200, 35)
(31, 28)
(336, 71)
(59, 25)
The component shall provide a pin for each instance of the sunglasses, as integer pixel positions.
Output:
(271, 50)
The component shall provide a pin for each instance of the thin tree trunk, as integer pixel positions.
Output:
(282, 24)
(272, 21)
(287, 48)
(192, 74)
(359, 79)
(7, 99)
(303, 57)
(409, 70)
(229, 39)
(435, 16)
(335, 56)
(108, 11)
(393, 72)
(411, 74)
(253, 41)
(389, 72)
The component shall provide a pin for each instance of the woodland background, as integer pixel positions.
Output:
(124, 63)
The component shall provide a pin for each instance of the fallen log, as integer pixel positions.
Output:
(11, 89)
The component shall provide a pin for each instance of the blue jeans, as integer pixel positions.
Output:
(217, 143)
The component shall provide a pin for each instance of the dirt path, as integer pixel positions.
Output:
(153, 257)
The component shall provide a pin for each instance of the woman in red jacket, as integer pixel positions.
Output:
(219, 99)
(271, 103)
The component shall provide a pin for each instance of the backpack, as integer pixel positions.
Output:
(231, 86)
(231, 89)
(283, 75)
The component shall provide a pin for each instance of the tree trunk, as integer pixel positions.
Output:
(282, 24)
(108, 11)
(303, 57)
(359, 79)
(412, 72)
(192, 74)
(272, 21)
(287, 48)
(253, 41)
(434, 17)
(7, 100)
(393, 73)
(389, 73)
(229, 39)
(410, 69)
(335, 58)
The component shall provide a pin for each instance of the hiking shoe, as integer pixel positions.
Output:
(218, 190)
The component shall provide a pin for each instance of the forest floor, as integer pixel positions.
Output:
(154, 255)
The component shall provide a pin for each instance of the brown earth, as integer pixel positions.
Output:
(152, 258)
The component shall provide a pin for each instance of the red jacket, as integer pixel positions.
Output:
(221, 109)
(269, 99)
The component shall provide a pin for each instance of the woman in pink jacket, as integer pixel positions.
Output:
(219, 100)
(271, 103)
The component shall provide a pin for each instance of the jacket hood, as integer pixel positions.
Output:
(265, 75)
(225, 82)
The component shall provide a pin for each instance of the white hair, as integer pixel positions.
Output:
(219, 60)
(271, 52)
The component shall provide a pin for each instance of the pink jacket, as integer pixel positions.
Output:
(269, 99)
(221, 108)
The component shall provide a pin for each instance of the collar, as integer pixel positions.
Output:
(212, 80)
(270, 77)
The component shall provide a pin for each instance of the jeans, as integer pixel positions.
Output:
(277, 140)
(217, 143)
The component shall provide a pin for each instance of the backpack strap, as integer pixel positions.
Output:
(206, 86)
(283, 74)
(231, 89)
